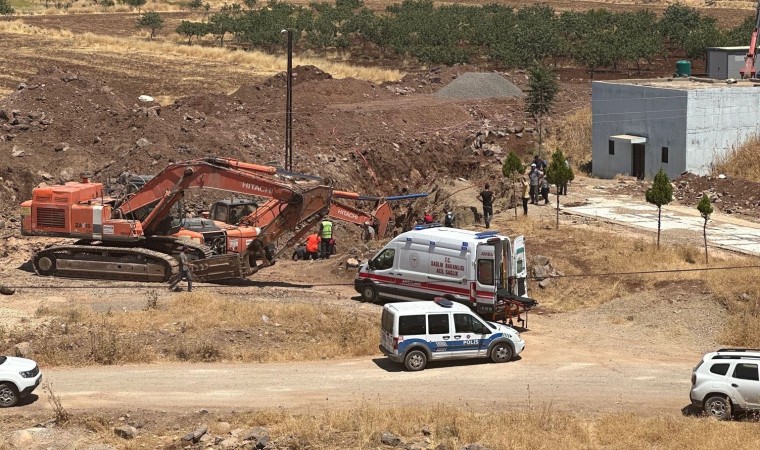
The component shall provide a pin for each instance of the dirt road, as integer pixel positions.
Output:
(590, 384)
(582, 370)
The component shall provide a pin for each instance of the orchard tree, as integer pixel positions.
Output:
(559, 173)
(136, 4)
(512, 167)
(191, 29)
(5, 8)
(152, 21)
(543, 88)
(195, 5)
(705, 208)
(661, 193)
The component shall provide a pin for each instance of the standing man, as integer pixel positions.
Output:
(540, 163)
(525, 194)
(184, 271)
(325, 233)
(544, 188)
(563, 187)
(535, 177)
(486, 197)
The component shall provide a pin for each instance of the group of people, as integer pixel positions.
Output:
(428, 218)
(318, 245)
(535, 187)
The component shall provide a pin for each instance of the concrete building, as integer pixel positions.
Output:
(680, 125)
(725, 62)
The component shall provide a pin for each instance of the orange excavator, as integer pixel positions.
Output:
(137, 238)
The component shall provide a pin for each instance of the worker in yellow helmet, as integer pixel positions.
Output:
(326, 235)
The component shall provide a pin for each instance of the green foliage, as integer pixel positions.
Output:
(661, 192)
(705, 207)
(152, 21)
(136, 4)
(5, 8)
(106, 3)
(512, 165)
(542, 90)
(558, 172)
(456, 33)
(192, 29)
(195, 4)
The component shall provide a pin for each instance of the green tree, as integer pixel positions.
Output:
(5, 8)
(152, 21)
(512, 167)
(705, 208)
(559, 173)
(138, 4)
(661, 193)
(542, 90)
(195, 5)
(250, 4)
(192, 29)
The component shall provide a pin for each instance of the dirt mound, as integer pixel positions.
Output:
(473, 85)
(729, 195)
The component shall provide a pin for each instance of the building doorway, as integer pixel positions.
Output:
(638, 161)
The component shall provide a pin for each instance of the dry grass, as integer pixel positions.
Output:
(448, 428)
(573, 136)
(247, 62)
(597, 250)
(200, 327)
(743, 162)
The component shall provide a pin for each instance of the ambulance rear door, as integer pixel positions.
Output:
(520, 266)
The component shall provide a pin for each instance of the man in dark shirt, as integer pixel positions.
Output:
(184, 271)
(486, 196)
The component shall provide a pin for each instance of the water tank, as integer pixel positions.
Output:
(683, 68)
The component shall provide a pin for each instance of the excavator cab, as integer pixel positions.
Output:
(231, 211)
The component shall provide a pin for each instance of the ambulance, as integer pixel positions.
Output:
(469, 267)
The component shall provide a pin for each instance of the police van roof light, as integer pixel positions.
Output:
(440, 301)
(428, 225)
(486, 234)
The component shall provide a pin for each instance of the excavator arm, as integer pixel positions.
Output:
(152, 203)
(748, 71)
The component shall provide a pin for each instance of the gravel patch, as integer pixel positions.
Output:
(474, 85)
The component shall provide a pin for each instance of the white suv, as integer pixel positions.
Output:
(727, 381)
(18, 378)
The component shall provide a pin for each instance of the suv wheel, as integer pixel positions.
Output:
(718, 407)
(8, 395)
(501, 352)
(369, 292)
(415, 360)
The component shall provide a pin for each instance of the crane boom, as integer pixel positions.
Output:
(748, 71)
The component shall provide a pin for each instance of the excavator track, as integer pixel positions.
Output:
(105, 263)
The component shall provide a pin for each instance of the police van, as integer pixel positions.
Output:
(473, 268)
(414, 333)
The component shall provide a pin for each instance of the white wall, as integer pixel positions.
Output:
(718, 120)
(656, 113)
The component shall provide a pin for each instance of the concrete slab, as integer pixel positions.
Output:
(724, 232)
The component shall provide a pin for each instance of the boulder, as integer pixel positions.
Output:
(388, 438)
(196, 435)
(142, 143)
(4, 114)
(61, 147)
(540, 260)
(6, 290)
(17, 153)
(475, 446)
(23, 349)
(352, 263)
(543, 284)
(125, 432)
(145, 98)
(21, 439)
(258, 436)
(230, 442)
(222, 427)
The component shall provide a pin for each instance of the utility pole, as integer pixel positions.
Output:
(289, 106)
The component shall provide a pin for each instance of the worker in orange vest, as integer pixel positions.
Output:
(312, 246)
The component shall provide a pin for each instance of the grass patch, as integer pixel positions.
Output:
(445, 427)
(249, 62)
(573, 137)
(742, 162)
(200, 327)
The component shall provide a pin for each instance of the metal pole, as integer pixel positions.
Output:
(289, 106)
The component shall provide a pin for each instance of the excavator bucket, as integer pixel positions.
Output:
(383, 215)
(217, 268)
